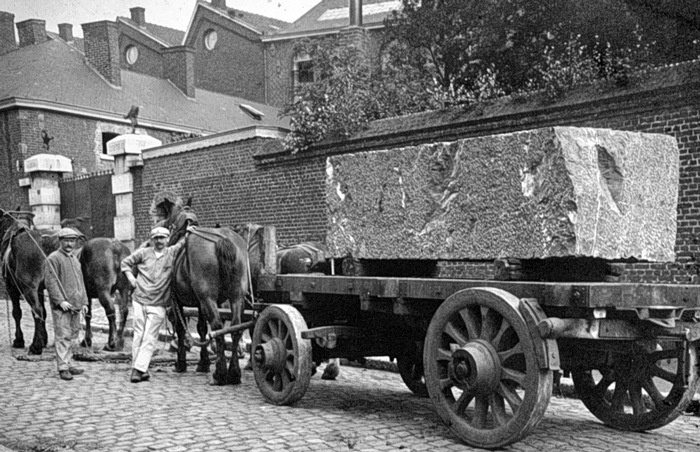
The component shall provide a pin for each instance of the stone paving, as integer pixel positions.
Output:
(364, 410)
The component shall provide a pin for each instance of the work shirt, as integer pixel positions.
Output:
(65, 282)
(154, 274)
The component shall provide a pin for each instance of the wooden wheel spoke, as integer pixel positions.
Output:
(496, 341)
(491, 324)
(602, 386)
(618, 398)
(463, 402)
(481, 411)
(470, 322)
(265, 337)
(444, 355)
(664, 374)
(274, 328)
(446, 383)
(635, 392)
(653, 392)
(517, 350)
(456, 335)
(498, 409)
(509, 395)
(513, 375)
(656, 356)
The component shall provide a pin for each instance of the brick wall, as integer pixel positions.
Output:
(235, 66)
(230, 185)
(150, 60)
(279, 57)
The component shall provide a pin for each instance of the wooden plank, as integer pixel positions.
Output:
(584, 295)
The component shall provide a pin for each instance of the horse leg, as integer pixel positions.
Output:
(181, 361)
(16, 315)
(234, 368)
(105, 297)
(87, 341)
(44, 314)
(39, 315)
(204, 361)
(332, 369)
(123, 302)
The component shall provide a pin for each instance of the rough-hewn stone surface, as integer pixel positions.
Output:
(559, 191)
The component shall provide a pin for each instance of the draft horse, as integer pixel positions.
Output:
(100, 260)
(23, 271)
(305, 257)
(211, 268)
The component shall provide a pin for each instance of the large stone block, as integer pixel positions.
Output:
(559, 191)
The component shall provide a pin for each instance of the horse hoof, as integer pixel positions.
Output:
(203, 369)
(34, 351)
(18, 344)
(107, 348)
(180, 369)
(330, 373)
(214, 382)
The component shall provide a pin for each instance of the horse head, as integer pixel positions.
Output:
(10, 218)
(185, 217)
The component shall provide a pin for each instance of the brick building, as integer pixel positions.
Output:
(69, 96)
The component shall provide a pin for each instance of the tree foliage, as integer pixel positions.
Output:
(445, 52)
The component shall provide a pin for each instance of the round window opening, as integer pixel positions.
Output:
(210, 39)
(132, 54)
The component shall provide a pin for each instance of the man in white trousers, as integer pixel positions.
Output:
(151, 295)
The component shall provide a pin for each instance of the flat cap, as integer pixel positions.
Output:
(68, 233)
(159, 232)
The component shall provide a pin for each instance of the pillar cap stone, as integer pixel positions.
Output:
(131, 144)
(48, 163)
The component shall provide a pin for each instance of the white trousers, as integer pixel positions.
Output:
(147, 321)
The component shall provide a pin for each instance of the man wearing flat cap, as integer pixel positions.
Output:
(64, 282)
(154, 266)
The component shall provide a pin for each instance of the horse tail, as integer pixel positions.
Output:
(226, 256)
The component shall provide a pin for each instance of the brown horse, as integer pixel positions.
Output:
(100, 260)
(306, 257)
(211, 269)
(23, 270)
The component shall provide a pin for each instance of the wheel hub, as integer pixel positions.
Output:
(476, 366)
(271, 355)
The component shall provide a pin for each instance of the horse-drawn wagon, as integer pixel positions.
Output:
(557, 211)
(485, 351)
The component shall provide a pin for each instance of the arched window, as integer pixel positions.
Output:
(132, 54)
(210, 38)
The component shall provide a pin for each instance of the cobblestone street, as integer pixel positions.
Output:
(364, 410)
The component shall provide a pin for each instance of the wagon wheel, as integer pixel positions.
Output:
(481, 369)
(652, 385)
(281, 358)
(411, 369)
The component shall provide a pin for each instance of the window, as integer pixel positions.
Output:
(106, 136)
(303, 71)
(210, 38)
(132, 54)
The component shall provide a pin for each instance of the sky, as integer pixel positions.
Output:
(170, 13)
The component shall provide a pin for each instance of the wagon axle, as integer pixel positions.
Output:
(476, 367)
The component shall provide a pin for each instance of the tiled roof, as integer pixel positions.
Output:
(55, 73)
(77, 43)
(170, 36)
(334, 14)
(264, 24)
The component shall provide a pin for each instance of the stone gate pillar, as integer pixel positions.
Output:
(45, 171)
(126, 150)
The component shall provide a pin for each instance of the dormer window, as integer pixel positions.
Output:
(132, 54)
(210, 38)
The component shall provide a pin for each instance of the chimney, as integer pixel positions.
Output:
(179, 68)
(138, 15)
(355, 7)
(7, 32)
(65, 32)
(101, 41)
(221, 4)
(31, 31)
